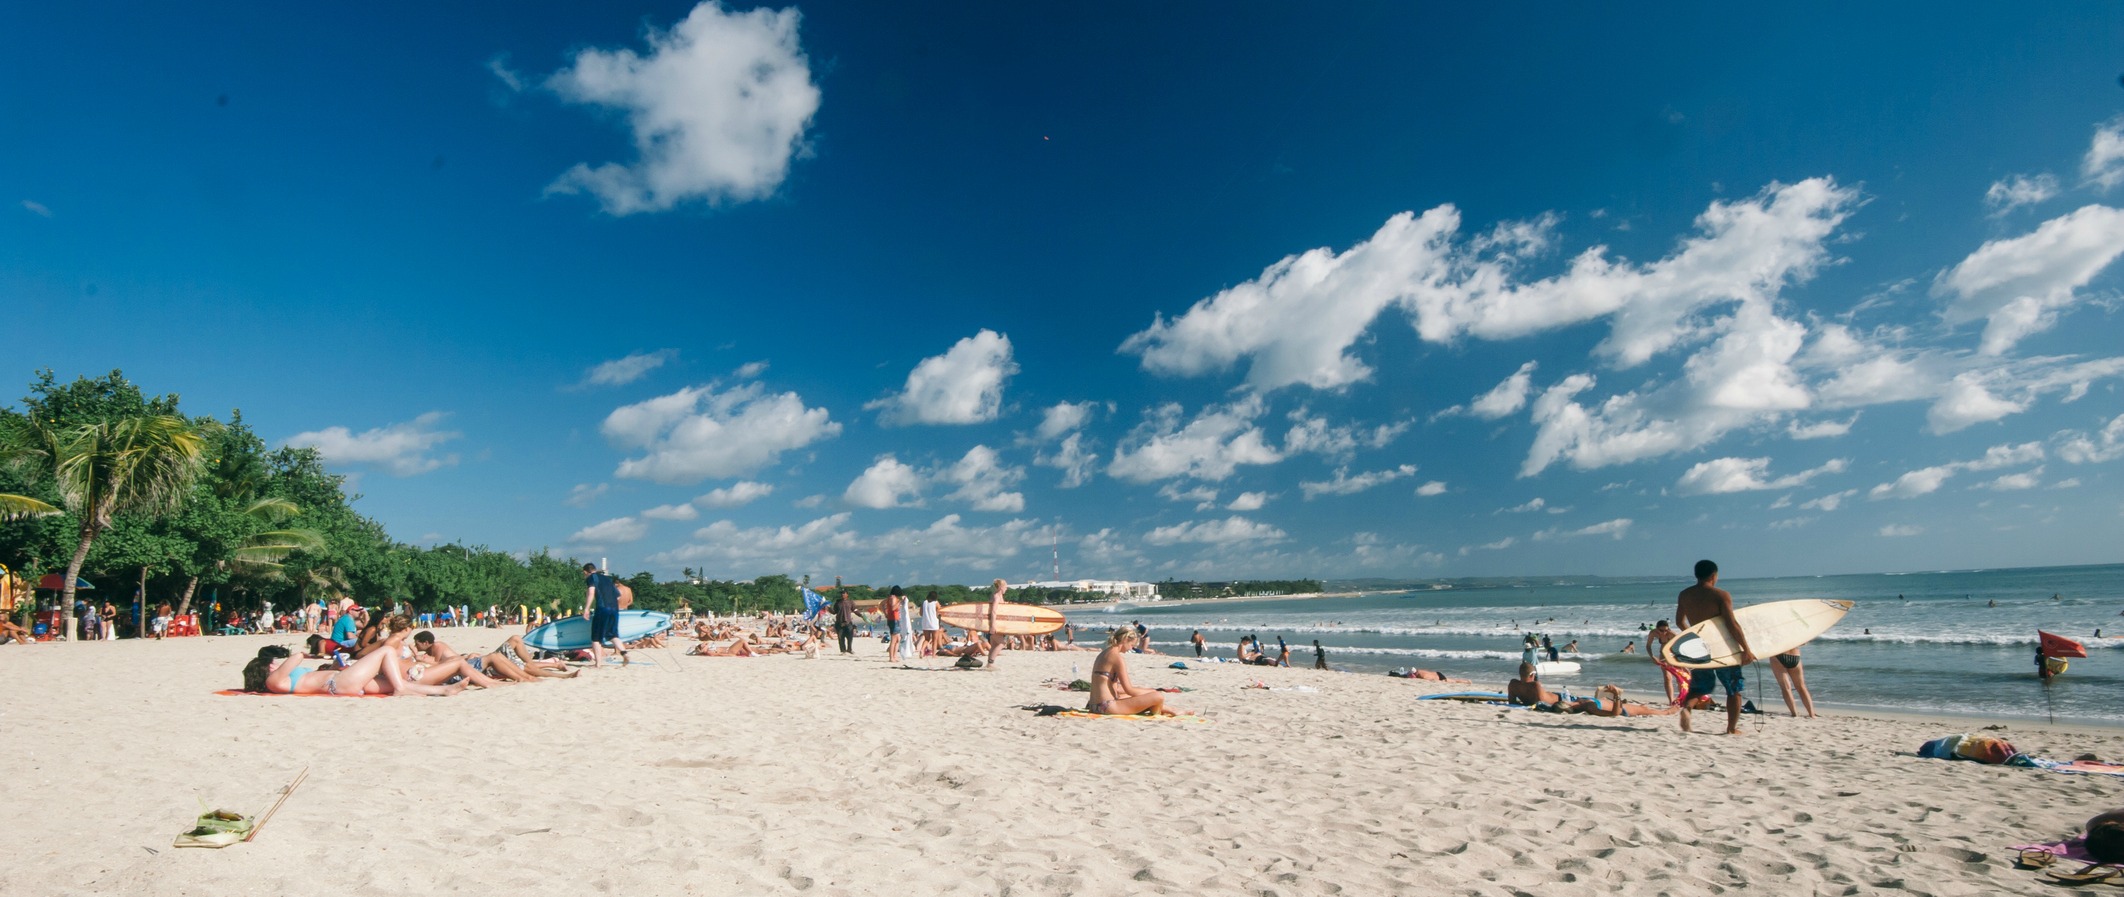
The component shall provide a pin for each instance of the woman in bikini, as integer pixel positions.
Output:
(1111, 691)
(1791, 678)
(1607, 700)
(274, 672)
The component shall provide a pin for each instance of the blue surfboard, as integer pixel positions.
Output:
(573, 633)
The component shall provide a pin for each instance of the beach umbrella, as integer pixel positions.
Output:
(57, 583)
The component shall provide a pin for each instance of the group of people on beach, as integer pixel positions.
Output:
(1686, 690)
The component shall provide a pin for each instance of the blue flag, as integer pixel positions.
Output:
(813, 603)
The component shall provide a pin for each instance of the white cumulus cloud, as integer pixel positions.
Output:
(2020, 190)
(1209, 447)
(962, 386)
(2018, 286)
(698, 433)
(584, 494)
(1616, 528)
(400, 449)
(1297, 321)
(984, 481)
(1248, 501)
(671, 512)
(621, 371)
(718, 108)
(739, 493)
(2092, 448)
(1230, 530)
(886, 483)
(1901, 530)
(1723, 475)
(1829, 502)
(1434, 487)
(743, 552)
(1825, 429)
(614, 531)
(1346, 484)
(1927, 480)
(1506, 397)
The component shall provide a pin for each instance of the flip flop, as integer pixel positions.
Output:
(2035, 859)
(2093, 874)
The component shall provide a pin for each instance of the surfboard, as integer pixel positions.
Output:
(573, 633)
(1561, 667)
(1479, 697)
(1011, 618)
(1773, 628)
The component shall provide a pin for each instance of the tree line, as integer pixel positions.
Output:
(103, 483)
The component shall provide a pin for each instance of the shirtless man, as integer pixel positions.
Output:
(1705, 601)
(1527, 689)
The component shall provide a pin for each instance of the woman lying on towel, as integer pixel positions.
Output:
(1607, 700)
(1111, 691)
(274, 672)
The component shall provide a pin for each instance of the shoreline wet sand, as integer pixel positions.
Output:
(847, 776)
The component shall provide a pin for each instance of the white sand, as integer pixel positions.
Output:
(780, 775)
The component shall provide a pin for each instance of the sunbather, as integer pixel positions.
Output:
(274, 672)
(1111, 691)
(1527, 689)
(1614, 705)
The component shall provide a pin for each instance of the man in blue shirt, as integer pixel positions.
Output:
(345, 628)
(601, 605)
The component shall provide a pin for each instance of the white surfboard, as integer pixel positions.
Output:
(1773, 628)
(1560, 667)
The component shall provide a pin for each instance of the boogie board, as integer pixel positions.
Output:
(1773, 628)
(573, 633)
(1561, 667)
(1011, 618)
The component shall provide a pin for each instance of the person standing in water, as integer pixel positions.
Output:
(1319, 656)
(1196, 639)
(1706, 601)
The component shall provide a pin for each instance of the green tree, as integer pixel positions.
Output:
(141, 464)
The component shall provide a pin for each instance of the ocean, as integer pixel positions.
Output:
(1952, 642)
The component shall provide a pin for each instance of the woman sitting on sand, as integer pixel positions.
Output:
(274, 672)
(1111, 691)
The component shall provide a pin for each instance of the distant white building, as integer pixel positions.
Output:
(1132, 591)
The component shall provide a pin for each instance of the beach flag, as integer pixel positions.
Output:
(814, 603)
(2054, 645)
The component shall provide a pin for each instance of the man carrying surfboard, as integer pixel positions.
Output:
(1706, 601)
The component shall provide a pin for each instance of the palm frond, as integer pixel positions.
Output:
(13, 506)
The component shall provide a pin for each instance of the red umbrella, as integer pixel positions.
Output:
(57, 582)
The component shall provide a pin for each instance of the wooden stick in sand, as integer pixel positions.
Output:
(304, 774)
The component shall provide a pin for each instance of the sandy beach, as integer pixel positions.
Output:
(781, 775)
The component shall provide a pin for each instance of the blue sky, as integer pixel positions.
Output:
(1186, 290)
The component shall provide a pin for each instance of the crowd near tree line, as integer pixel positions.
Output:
(105, 484)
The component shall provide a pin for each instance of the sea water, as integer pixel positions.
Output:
(1953, 642)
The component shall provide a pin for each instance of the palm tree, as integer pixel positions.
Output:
(141, 464)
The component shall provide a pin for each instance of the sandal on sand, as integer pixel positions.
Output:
(2093, 874)
(2035, 859)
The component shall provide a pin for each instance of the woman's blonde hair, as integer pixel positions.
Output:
(1120, 637)
(999, 584)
